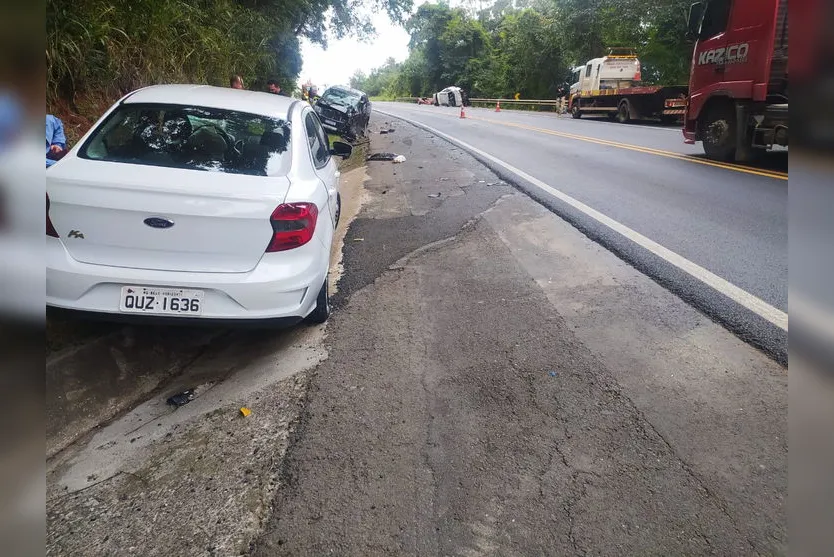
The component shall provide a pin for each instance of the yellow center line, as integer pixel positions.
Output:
(647, 150)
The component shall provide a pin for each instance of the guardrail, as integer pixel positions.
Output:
(542, 105)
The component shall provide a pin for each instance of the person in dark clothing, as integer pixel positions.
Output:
(273, 87)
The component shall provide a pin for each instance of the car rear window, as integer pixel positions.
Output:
(196, 138)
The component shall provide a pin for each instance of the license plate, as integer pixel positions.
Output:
(161, 301)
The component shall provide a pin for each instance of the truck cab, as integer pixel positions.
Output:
(612, 85)
(738, 86)
(619, 70)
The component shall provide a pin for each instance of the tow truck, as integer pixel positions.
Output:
(738, 84)
(612, 86)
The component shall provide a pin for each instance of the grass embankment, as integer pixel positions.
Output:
(99, 50)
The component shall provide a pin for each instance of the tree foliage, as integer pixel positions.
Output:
(109, 47)
(529, 46)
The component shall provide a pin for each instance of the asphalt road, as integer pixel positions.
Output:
(730, 220)
(499, 384)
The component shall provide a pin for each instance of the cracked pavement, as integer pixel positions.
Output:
(499, 384)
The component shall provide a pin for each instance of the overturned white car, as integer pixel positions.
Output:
(450, 96)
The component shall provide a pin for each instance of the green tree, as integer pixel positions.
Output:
(426, 27)
(532, 55)
(358, 79)
(529, 46)
(105, 48)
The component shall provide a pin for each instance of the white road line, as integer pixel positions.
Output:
(758, 306)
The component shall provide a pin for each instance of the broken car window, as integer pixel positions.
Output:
(195, 138)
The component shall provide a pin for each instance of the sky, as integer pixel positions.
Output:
(342, 58)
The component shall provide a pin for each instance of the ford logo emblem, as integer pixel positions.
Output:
(159, 222)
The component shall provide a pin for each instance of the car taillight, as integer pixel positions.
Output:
(293, 225)
(50, 229)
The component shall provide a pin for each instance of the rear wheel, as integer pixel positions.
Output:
(624, 112)
(718, 132)
(322, 311)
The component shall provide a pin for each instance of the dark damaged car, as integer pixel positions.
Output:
(344, 111)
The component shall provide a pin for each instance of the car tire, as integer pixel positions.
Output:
(322, 311)
(575, 113)
(338, 208)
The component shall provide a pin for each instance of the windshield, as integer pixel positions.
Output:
(196, 138)
(340, 96)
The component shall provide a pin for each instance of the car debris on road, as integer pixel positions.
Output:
(386, 157)
(181, 399)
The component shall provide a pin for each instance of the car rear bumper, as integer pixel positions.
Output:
(283, 286)
(168, 320)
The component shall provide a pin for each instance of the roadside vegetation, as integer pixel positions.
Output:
(529, 47)
(98, 50)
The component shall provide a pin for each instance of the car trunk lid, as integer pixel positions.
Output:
(171, 219)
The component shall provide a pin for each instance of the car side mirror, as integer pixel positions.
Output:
(341, 149)
(693, 25)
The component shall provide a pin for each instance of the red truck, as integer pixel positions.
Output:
(738, 83)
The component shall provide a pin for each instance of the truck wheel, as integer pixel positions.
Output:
(575, 112)
(624, 112)
(718, 133)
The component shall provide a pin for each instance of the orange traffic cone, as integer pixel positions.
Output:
(462, 112)
(498, 106)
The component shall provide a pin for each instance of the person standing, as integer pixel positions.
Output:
(236, 82)
(56, 140)
(273, 87)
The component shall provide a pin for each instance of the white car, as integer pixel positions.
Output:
(450, 96)
(190, 202)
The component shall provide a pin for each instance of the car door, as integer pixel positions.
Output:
(324, 164)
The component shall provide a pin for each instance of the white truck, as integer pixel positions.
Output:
(612, 86)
